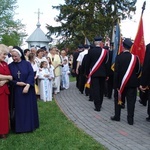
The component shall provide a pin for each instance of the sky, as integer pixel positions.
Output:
(129, 27)
(27, 13)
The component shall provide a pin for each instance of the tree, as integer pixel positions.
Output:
(11, 31)
(11, 39)
(79, 18)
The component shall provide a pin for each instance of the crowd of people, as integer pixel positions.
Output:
(96, 79)
(22, 71)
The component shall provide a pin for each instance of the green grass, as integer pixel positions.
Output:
(56, 132)
(72, 79)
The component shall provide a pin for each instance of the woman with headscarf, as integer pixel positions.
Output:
(4, 92)
(25, 103)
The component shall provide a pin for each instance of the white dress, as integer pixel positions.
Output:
(65, 76)
(46, 84)
(38, 62)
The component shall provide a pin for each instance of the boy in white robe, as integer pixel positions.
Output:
(65, 74)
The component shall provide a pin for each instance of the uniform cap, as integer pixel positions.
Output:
(98, 38)
(80, 46)
(127, 43)
(86, 46)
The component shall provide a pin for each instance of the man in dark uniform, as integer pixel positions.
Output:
(97, 65)
(111, 73)
(74, 65)
(145, 78)
(106, 81)
(83, 70)
(127, 69)
(79, 71)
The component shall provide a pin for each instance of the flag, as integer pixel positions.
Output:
(116, 45)
(120, 46)
(138, 48)
(87, 41)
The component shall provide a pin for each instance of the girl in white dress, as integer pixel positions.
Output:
(46, 75)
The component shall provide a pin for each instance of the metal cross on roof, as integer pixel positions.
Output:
(38, 15)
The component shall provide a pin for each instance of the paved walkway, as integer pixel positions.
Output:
(113, 135)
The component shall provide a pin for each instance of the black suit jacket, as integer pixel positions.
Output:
(145, 78)
(111, 72)
(92, 57)
(83, 66)
(121, 65)
(75, 56)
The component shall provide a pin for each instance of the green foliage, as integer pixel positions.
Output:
(72, 79)
(10, 28)
(56, 132)
(11, 39)
(80, 18)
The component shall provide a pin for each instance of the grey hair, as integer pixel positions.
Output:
(3, 49)
(97, 42)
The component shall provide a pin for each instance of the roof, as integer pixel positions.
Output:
(38, 35)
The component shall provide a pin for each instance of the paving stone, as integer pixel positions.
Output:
(113, 135)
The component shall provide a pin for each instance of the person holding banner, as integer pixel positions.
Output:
(97, 65)
(127, 70)
(145, 78)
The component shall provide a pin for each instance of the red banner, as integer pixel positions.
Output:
(138, 48)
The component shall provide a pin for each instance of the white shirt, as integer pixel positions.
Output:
(38, 61)
(34, 66)
(81, 56)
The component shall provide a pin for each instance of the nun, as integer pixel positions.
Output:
(23, 93)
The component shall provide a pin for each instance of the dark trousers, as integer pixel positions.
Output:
(110, 86)
(77, 81)
(144, 96)
(106, 89)
(82, 83)
(130, 95)
(148, 107)
(97, 90)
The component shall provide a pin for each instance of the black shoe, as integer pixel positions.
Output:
(130, 121)
(113, 118)
(90, 99)
(148, 119)
(122, 106)
(97, 109)
(140, 101)
(81, 92)
(3, 136)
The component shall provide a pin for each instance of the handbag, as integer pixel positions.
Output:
(36, 89)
